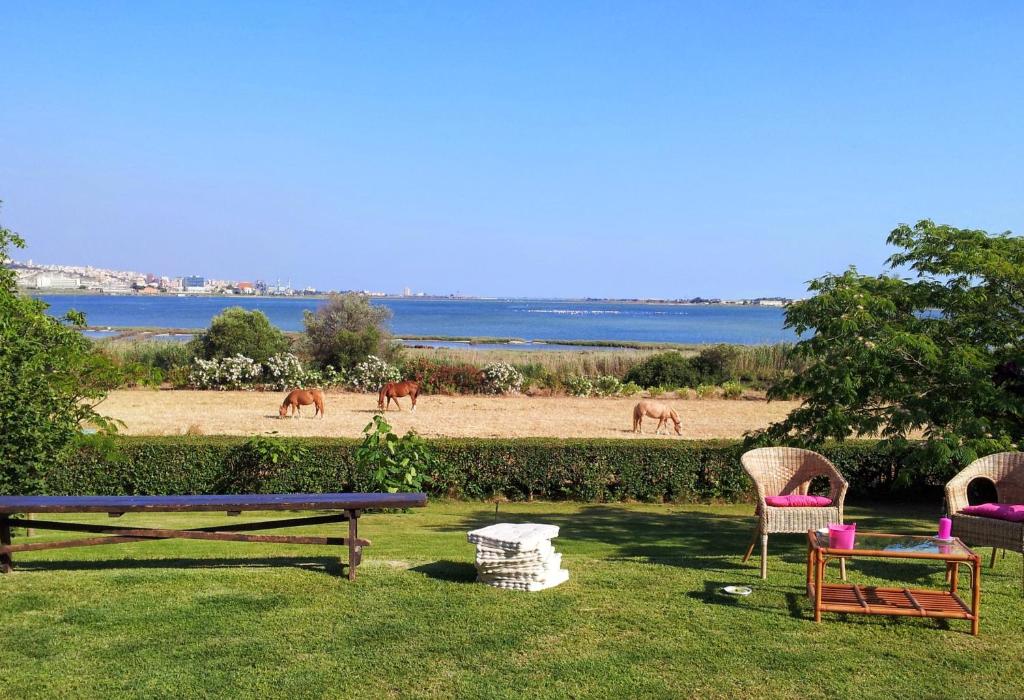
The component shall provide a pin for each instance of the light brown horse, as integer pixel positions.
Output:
(392, 390)
(655, 409)
(302, 397)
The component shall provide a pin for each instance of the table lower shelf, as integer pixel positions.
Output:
(871, 600)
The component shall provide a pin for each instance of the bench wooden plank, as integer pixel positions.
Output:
(232, 502)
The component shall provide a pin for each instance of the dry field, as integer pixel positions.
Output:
(151, 412)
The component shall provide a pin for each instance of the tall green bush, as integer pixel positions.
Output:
(50, 382)
(346, 329)
(236, 331)
(664, 369)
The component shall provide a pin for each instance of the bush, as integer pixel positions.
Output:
(444, 377)
(705, 391)
(576, 385)
(392, 463)
(238, 372)
(285, 371)
(713, 364)
(372, 374)
(607, 385)
(237, 332)
(501, 378)
(630, 389)
(732, 390)
(347, 330)
(663, 369)
(578, 469)
(50, 381)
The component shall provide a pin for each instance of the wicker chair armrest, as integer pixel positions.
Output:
(956, 488)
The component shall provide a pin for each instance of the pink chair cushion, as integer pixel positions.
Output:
(797, 500)
(1000, 511)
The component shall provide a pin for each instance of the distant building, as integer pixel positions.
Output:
(148, 290)
(246, 288)
(50, 280)
(193, 281)
(407, 292)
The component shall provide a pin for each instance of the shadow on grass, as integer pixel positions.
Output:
(446, 570)
(331, 566)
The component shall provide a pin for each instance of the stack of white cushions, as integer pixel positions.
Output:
(518, 556)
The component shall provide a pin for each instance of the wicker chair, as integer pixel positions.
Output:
(1006, 472)
(781, 471)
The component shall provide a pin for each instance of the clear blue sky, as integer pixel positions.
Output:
(539, 149)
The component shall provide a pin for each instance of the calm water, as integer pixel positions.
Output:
(526, 319)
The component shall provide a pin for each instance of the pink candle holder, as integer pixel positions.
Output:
(841, 536)
(945, 528)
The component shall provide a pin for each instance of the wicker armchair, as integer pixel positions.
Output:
(781, 471)
(1006, 472)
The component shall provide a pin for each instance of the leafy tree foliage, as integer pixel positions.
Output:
(934, 354)
(346, 330)
(236, 331)
(50, 382)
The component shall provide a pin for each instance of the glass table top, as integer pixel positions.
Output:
(901, 545)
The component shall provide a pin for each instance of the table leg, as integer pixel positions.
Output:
(819, 579)
(355, 552)
(6, 560)
(953, 575)
(976, 597)
(810, 558)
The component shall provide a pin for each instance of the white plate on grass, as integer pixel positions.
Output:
(737, 590)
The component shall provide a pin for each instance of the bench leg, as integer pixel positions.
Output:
(355, 552)
(6, 560)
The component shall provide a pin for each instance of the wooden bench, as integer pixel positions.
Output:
(348, 505)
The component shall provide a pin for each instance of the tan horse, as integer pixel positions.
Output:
(655, 409)
(302, 397)
(392, 390)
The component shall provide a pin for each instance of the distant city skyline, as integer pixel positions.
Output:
(529, 150)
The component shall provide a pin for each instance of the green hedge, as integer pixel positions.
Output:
(518, 469)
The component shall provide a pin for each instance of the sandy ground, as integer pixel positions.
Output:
(149, 412)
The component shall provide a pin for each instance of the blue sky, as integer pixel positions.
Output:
(537, 149)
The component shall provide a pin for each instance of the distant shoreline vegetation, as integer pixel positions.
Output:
(300, 296)
(148, 333)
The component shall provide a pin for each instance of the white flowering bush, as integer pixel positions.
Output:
(235, 372)
(579, 386)
(285, 371)
(607, 385)
(372, 374)
(501, 378)
(326, 377)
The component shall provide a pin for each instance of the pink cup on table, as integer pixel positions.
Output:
(841, 536)
(945, 528)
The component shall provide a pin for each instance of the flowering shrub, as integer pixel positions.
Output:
(579, 386)
(372, 374)
(285, 371)
(326, 377)
(607, 385)
(226, 373)
(630, 389)
(501, 378)
(732, 390)
(705, 391)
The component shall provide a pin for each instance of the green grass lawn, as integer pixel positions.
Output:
(640, 616)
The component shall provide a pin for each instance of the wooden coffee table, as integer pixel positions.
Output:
(874, 600)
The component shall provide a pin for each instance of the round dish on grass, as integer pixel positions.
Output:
(737, 590)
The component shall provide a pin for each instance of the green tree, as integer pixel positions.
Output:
(50, 383)
(346, 329)
(937, 353)
(236, 331)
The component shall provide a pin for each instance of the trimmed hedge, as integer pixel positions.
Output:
(517, 469)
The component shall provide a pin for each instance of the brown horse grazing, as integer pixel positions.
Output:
(392, 390)
(655, 409)
(302, 397)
